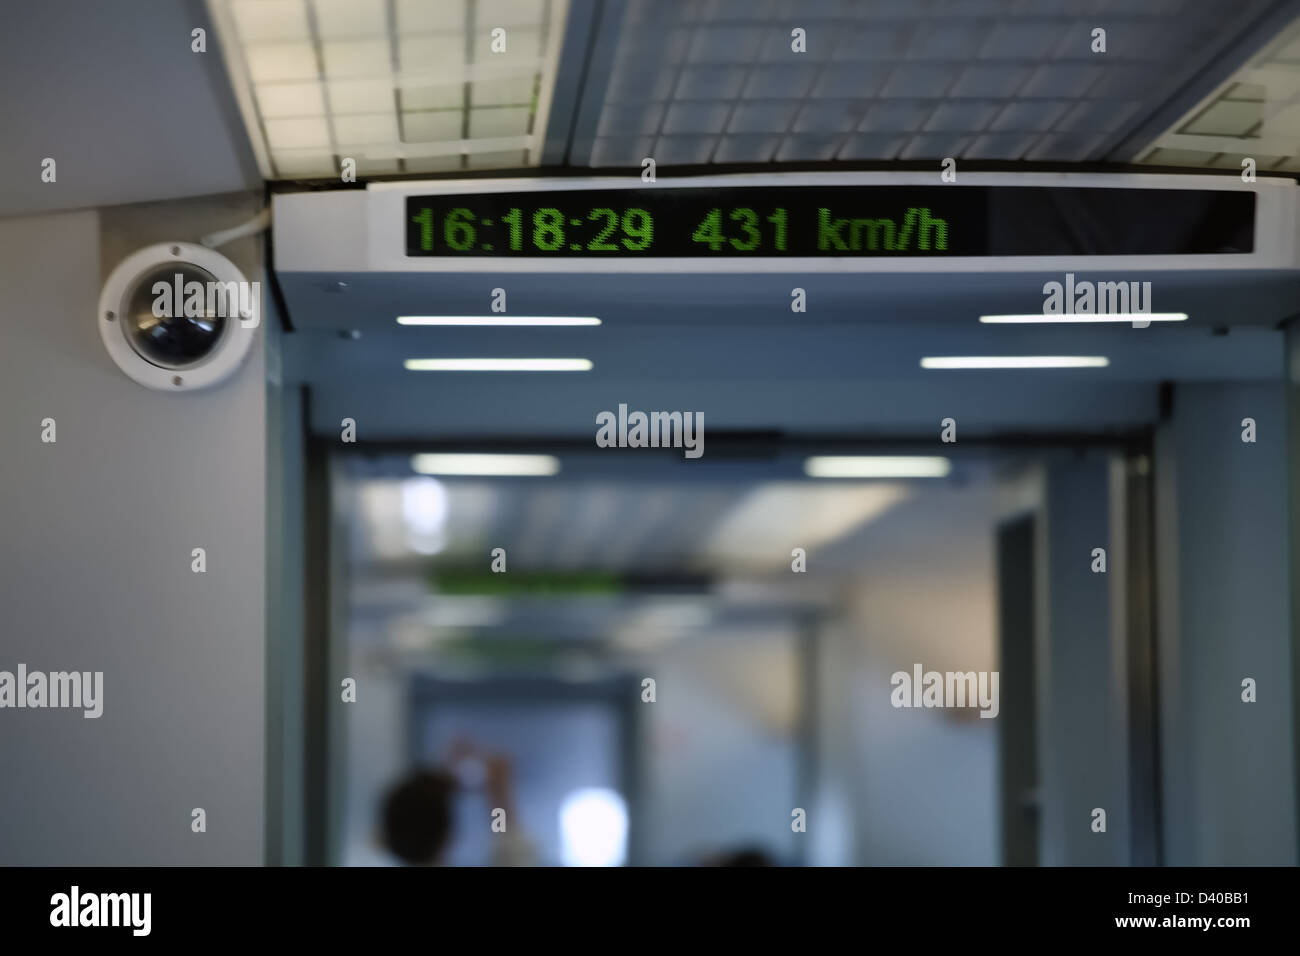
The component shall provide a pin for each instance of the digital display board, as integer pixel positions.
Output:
(831, 221)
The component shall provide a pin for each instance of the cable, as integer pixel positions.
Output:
(251, 228)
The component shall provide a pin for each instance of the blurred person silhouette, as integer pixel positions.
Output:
(416, 818)
(740, 856)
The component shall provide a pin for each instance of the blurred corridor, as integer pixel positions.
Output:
(770, 686)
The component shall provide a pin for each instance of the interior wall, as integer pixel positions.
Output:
(1082, 723)
(377, 757)
(123, 104)
(1223, 616)
(735, 785)
(910, 786)
(95, 564)
(285, 628)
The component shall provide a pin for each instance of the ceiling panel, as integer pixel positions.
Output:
(619, 526)
(692, 82)
(1254, 113)
(399, 87)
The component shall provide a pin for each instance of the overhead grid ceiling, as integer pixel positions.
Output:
(895, 80)
(399, 87)
(661, 524)
(416, 86)
(1253, 115)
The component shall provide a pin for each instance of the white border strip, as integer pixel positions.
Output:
(241, 82)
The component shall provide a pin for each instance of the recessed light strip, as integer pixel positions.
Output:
(1062, 319)
(498, 365)
(1015, 361)
(497, 320)
(485, 465)
(876, 466)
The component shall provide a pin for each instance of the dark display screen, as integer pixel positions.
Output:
(840, 221)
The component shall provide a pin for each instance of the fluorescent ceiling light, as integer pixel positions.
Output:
(496, 320)
(499, 365)
(1015, 361)
(876, 466)
(1109, 317)
(496, 465)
